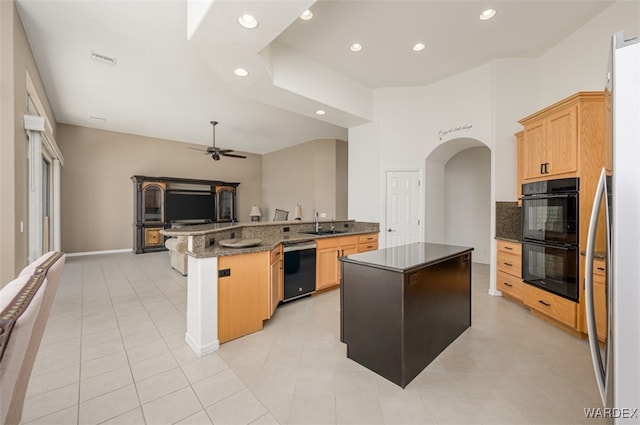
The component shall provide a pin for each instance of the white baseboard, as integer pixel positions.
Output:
(495, 292)
(108, 251)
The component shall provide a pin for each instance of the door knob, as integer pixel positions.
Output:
(390, 230)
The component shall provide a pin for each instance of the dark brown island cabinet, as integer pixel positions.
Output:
(401, 307)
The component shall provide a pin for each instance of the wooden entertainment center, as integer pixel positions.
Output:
(166, 202)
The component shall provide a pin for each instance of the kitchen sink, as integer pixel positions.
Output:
(325, 232)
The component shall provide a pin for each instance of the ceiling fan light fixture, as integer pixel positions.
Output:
(320, 112)
(306, 15)
(247, 21)
(356, 47)
(487, 14)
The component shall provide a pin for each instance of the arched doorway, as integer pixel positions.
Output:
(458, 196)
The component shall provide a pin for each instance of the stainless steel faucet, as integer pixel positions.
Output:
(318, 227)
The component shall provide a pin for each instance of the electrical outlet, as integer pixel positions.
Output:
(323, 215)
(233, 235)
(285, 229)
(224, 273)
(211, 241)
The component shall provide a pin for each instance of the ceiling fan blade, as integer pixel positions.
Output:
(199, 150)
(225, 150)
(232, 155)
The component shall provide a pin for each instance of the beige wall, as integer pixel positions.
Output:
(16, 59)
(311, 174)
(97, 191)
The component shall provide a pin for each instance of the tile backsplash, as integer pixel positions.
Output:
(508, 221)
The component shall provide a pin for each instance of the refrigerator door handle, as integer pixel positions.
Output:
(596, 357)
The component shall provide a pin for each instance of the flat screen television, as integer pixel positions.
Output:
(185, 205)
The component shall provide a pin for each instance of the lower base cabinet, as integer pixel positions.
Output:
(327, 265)
(242, 294)
(552, 306)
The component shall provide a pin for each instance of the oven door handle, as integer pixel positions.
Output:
(549, 196)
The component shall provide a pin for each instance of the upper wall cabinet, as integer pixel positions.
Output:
(554, 139)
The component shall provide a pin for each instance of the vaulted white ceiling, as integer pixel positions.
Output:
(175, 60)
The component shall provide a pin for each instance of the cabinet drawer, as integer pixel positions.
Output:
(599, 271)
(323, 243)
(369, 246)
(510, 263)
(371, 237)
(510, 285)
(348, 240)
(558, 308)
(509, 247)
(276, 253)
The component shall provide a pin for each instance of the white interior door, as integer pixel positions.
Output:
(403, 208)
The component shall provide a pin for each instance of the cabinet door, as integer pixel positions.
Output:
(562, 142)
(152, 237)
(520, 169)
(534, 150)
(275, 281)
(225, 203)
(327, 268)
(242, 294)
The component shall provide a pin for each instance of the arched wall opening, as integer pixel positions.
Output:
(458, 196)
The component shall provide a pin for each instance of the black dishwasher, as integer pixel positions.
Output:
(299, 270)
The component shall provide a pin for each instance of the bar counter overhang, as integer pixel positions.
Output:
(400, 307)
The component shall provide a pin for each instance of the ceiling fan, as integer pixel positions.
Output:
(216, 153)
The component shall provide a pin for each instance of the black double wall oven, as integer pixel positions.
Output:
(550, 253)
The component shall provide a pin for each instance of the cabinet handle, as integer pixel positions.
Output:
(507, 284)
(541, 168)
(544, 303)
(369, 246)
(546, 168)
(600, 268)
(508, 248)
(508, 264)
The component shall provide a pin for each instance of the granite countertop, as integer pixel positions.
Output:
(508, 239)
(405, 258)
(205, 237)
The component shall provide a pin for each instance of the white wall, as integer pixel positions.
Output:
(410, 123)
(467, 201)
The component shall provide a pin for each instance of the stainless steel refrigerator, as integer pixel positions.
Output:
(617, 203)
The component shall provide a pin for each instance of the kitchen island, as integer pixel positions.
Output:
(401, 307)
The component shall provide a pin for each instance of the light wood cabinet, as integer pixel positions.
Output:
(368, 242)
(600, 297)
(558, 141)
(551, 145)
(520, 170)
(327, 265)
(508, 269)
(276, 289)
(550, 305)
(242, 294)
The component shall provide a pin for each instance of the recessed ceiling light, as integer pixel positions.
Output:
(356, 47)
(320, 112)
(306, 15)
(418, 47)
(487, 14)
(241, 72)
(248, 21)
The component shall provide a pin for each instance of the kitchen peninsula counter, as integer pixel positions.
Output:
(402, 306)
(204, 238)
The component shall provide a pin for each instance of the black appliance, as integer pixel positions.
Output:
(550, 260)
(299, 270)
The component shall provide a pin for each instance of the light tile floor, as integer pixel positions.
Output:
(114, 353)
